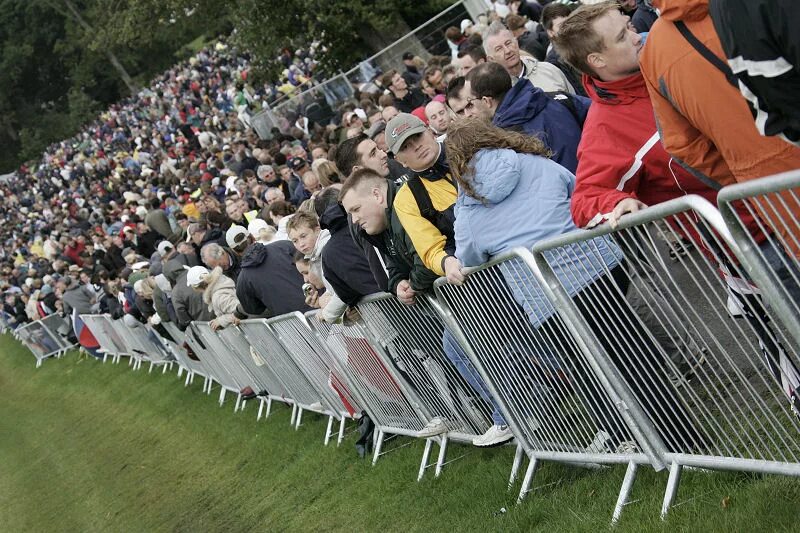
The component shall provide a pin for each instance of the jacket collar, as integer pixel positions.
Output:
(623, 91)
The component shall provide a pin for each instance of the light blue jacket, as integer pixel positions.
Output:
(526, 200)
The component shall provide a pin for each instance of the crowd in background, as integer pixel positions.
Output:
(546, 117)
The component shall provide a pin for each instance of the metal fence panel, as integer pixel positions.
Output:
(424, 41)
(106, 336)
(551, 393)
(56, 323)
(304, 347)
(227, 362)
(413, 336)
(712, 387)
(378, 385)
(206, 354)
(39, 340)
(267, 345)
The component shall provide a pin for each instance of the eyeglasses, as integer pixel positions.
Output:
(470, 104)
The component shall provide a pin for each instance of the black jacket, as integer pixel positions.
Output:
(413, 99)
(397, 250)
(269, 284)
(762, 43)
(343, 263)
(530, 43)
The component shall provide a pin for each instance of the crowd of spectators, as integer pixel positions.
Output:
(546, 117)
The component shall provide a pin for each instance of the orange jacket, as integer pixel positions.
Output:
(705, 122)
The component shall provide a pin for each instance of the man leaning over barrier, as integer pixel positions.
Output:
(369, 199)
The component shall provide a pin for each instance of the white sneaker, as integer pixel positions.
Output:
(316, 406)
(600, 443)
(436, 426)
(494, 436)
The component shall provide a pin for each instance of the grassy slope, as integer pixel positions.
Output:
(92, 447)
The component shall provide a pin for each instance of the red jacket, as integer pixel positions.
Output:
(621, 156)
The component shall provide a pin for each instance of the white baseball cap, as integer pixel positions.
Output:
(196, 276)
(164, 247)
(235, 235)
(256, 226)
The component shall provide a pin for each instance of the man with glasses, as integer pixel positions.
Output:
(555, 118)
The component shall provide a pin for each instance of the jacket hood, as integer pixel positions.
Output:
(617, 92)
(520, 105)
(174, 267)
(686, 10)
(216, 281)
(254, 255)
(333, 218)
(495, 174)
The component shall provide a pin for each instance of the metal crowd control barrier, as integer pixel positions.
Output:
(551, 393)
(319, 366)
(414, 336)
(384, 395)
(228, 361)
(55, 323)
(764, 219)
(216, 371)
(190, 366)
(269, 387)
(110, 343)
(41, 341)
(708, 385)
(306, 397)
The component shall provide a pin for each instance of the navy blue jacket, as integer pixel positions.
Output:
(269, 284)
(529, 110)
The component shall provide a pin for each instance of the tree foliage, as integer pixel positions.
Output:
(55, 71)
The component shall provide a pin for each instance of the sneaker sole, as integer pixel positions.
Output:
(494, 444)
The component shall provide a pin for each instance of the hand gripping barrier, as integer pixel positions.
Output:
(385, 395)
(319, 366)
(551, 391)
(41, 340)
(306, 397)
(709, 389)
(415, 339)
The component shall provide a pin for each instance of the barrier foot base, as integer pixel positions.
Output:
(341, 431)
(675, 471)
(425, 455)
(299, 418)
(328, 430)
(624, 491)
(515, 466)
(526, 481)
(442, 454)
(378, 446)
(269, 408)
(238, 402)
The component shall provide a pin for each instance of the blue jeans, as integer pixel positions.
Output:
(468, 371)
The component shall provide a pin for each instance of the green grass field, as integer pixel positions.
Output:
(86, 446)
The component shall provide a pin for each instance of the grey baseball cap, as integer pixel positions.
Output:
(400, 128)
